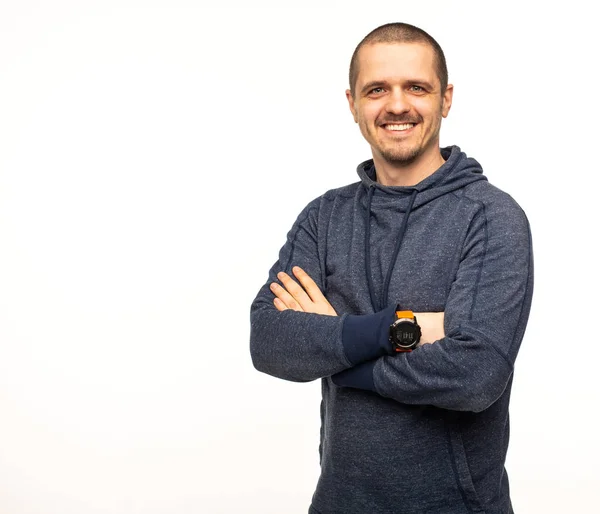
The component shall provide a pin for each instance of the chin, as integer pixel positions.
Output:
(404, 157)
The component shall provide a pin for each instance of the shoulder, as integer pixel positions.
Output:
(343, 194)
(320, 208)
(500, 210)
(348, 191)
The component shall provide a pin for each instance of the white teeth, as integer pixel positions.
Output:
(405, 126)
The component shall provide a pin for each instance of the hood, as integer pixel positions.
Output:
(458, 171)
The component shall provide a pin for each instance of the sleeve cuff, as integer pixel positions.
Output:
(359, 377)
(366, 337)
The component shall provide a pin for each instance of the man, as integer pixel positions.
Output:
(407, 427)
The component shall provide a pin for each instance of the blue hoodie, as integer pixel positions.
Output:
(425, 431)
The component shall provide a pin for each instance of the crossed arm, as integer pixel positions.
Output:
(297, 335)
(305, 296)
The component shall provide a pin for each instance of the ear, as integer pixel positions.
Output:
(447, 100)
(351, 104)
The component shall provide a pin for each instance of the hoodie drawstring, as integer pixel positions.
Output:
(401, 232)
(368, 248)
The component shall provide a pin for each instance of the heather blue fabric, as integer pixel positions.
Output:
(425, 431)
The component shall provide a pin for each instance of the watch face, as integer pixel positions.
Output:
(406, 334)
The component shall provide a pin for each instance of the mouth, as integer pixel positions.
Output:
(398, 128)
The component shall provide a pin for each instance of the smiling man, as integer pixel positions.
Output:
(407, 293)
(398, 101)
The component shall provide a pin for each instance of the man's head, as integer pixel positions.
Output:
(399, 93)
(400, 33)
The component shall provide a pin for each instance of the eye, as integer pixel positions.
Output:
(376, 91)
(416, 88)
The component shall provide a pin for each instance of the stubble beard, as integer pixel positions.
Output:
(402, 155)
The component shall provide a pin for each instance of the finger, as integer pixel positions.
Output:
(309, 285)
(284, 297)
(294, 289)
(279, 305)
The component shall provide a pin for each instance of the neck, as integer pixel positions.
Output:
(390, 173)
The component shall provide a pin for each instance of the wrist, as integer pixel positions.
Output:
(432, 326)
(366, 337)
(404, 332)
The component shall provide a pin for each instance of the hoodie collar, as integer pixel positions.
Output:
(456, 172)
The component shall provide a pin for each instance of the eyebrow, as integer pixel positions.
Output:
(373, 84)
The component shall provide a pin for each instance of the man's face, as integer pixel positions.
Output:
(397, 102)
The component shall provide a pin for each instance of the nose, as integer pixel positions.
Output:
(397, 102)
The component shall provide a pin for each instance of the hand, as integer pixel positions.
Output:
(432, 326)
(306, 297)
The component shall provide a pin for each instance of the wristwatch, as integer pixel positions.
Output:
(405, 333)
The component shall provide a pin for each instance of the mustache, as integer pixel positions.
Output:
(399, 121)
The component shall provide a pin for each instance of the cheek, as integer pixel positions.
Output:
(429, 111)
(368, 114)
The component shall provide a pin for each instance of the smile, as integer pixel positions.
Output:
(399, 127)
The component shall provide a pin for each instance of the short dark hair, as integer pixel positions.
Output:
(400, 33)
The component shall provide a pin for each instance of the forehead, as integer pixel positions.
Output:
(396, 62)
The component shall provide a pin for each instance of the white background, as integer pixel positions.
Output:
(153, 156)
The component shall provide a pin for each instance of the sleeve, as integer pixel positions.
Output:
(300, 346)
(485, 318)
